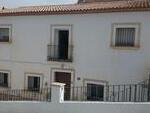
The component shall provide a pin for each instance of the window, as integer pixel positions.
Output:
(61, 43)
(4, 79)
(95, 92)
(33, 82)
(5, 33)
(61, 47)
(126, 35)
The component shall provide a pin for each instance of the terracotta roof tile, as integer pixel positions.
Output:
(97, 7)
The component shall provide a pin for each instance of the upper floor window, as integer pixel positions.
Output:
(5, 33)
(60, 48)
(125, 35)
(4, 78)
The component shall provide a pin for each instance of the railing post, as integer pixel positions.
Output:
(57, 94)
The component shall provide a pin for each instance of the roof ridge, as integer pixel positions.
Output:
(36, 6)
(47, 5)
(115, 6)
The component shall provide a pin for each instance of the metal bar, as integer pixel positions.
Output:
(148, 92)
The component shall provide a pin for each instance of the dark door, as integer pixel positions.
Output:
(63, 44)
(63, 77)
(95, 92)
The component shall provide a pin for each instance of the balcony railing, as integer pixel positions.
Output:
(60, 53)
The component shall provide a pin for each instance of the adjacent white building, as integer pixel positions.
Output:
(105, 42)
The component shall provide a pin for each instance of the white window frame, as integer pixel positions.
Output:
(126, 25)
(9, 26)
(33, 75)
(96, 82)
(9, 78)
(61, 27)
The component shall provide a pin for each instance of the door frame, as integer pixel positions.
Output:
(72, 73)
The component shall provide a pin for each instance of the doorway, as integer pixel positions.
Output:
(64, 77)
(63, 44)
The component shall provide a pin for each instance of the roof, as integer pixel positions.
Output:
(83, 8)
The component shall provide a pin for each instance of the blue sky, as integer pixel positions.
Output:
(17, 3)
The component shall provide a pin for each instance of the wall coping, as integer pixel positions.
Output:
(77, 102)
(58, 84)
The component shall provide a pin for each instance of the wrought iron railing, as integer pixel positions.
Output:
(26, 95)
(139, 92)
(113, 93)
(60, 53)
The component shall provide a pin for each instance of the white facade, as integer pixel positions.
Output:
(93, 57)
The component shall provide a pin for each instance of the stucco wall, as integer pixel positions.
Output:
(93, 56)
(37, 107)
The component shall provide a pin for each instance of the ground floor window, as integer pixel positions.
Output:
(33, 83)
(95, 92)
(4, 79)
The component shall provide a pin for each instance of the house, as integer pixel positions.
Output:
(92, 44)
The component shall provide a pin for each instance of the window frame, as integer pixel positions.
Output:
(60, 27)
(9, 26)
(95, 85)
(96, 82)
(9, 78)
(33, 75)
(53, 35)
(126, 25)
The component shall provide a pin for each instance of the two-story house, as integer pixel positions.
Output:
(92, 43)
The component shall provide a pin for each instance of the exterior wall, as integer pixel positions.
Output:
(93, 57)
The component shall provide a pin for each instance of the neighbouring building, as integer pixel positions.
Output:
(92, 43)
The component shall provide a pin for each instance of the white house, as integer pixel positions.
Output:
(93, 42)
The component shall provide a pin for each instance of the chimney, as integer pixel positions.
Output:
(90, 1)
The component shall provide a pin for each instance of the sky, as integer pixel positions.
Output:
(18, 3)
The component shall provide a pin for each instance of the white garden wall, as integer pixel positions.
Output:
(73, 107)
(57, 105)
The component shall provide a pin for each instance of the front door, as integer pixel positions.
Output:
(64, 77)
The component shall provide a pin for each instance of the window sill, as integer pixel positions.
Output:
(126, 48)
(4, 88)
(59, 60)
(6, 42)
